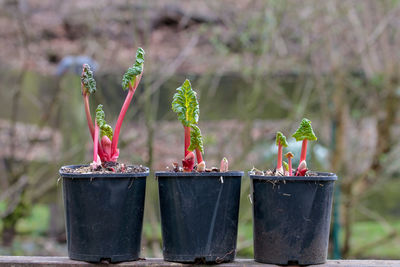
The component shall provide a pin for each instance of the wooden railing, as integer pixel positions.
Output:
(26, 261)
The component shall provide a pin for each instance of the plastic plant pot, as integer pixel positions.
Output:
(104, 215)
(291, 218)
(199, 215)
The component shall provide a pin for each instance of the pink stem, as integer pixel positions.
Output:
(121, 116)
(95, 141)
(198, 155)
(187, 139)
(88, 116)
(101, 153)
(279, 163)
(128, 99)
(90, 123)
(303, 150)
(290, 166)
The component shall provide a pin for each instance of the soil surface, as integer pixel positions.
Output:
(107, 167)
(274, 172)
(177, 168)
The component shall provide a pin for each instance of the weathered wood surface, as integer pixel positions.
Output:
(25, 261)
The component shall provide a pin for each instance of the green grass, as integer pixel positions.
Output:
(245, 240)
(37, 222)
(150, 233)
(369, 231)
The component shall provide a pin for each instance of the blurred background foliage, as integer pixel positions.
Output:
(258, 67)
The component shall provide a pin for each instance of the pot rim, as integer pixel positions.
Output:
(100, 175)
(198, 174)
(324, 176)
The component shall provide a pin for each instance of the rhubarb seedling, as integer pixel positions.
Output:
(106, 149)
(186, 106)
(106, 135)
(130, 81)
(285, 168)
(224, 165)
(304, 133)
(280, 142)
(88, 87)
(289, 156)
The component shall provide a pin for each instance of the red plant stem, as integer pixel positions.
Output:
(88, 116)
(95, 141)
(90, 123)
(100, 151)
(187, 139)
(290, 166)
(279, 164)
(303, 150)
(128, 99)
(121, 116)
(198, 155)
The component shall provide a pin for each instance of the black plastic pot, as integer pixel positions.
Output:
(199, 215)
(291, 218)
(104, 215)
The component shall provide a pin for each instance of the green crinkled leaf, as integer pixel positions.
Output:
(196, 140)
(100, 115)
(131, 74)
(281, 139)
(105, 129)
(305, 131)
(185, 104)
(87, 80)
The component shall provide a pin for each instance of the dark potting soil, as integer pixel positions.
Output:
(177, 168)
(107, 167)
(273, 172)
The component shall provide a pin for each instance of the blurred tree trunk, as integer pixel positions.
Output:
(340, 117)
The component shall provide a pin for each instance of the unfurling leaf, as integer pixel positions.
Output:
(185, 104)
(305, 131)
(196, 140)
(281, 139)
(89, 84)
(285, 165)
(105, 129)
(131, 74)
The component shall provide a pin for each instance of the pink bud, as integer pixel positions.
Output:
(106, 145)
(188, 162)
(201, 167)
(224, 165)
(302, 165)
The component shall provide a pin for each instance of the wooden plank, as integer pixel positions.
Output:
(26, 261)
